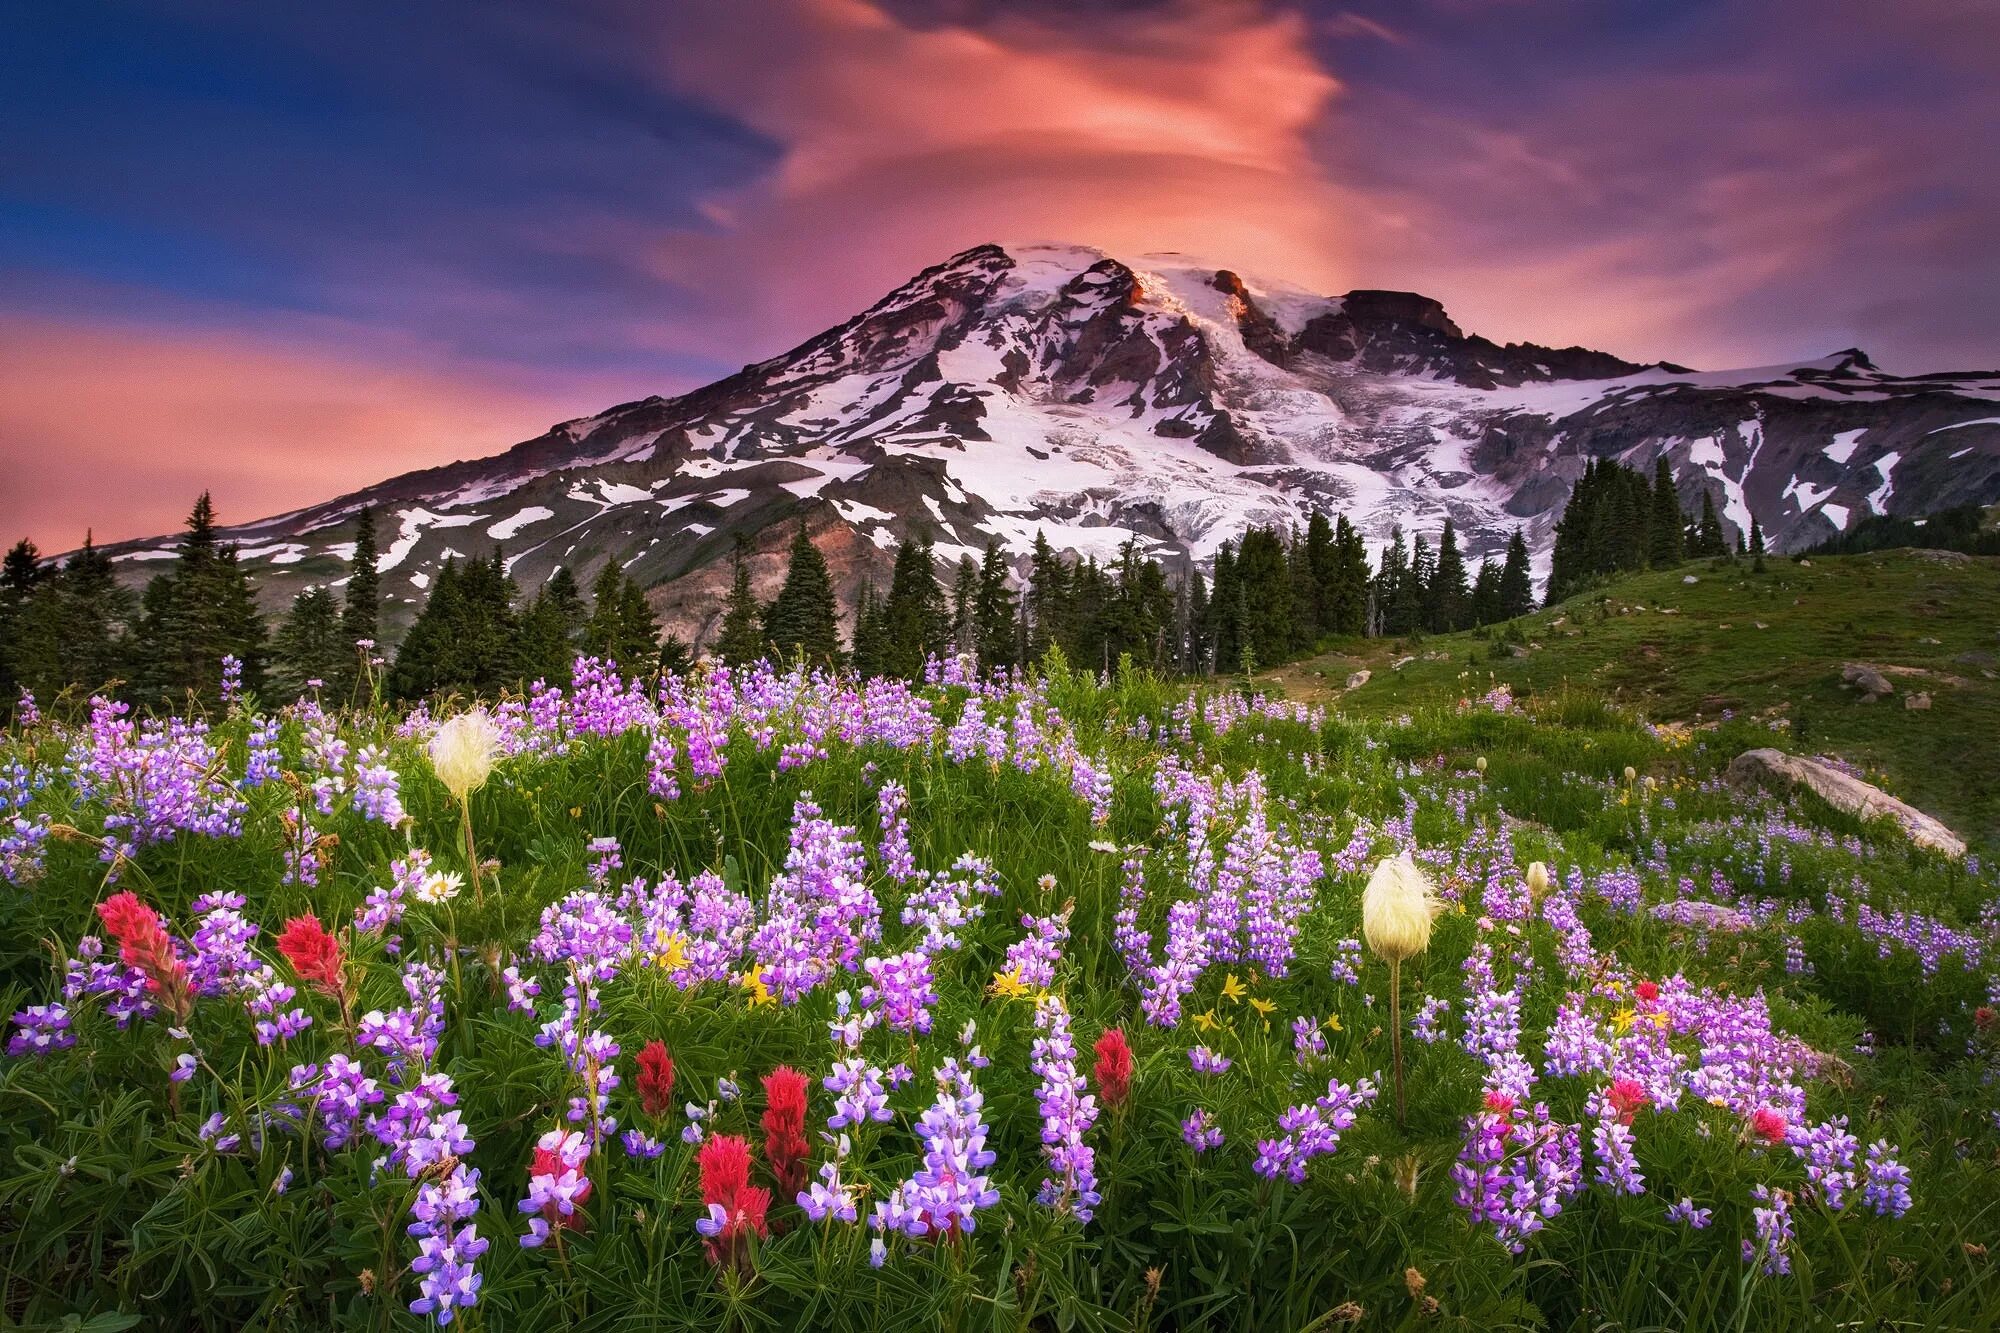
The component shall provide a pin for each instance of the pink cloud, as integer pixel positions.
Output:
(118, 428)
(1186, 129)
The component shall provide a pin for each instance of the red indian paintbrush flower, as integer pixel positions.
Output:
(313, 953)
(656, 1079)
(735, 1206)
(1648, 991)
(1114, 1067)
(143, 943)
(1626, 1096)
(1768, 1125)
(784, 1129)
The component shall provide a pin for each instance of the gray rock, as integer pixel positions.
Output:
(1785, 772)
(1917, 701)
(1870, 681)
(1358, 679)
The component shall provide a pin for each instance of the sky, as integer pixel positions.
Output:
(284, 251)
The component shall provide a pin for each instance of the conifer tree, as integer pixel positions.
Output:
(197, 613)
(1346, 593)
(965, 608)
(1195, 659)
(1306, 626)
(552, 629)
(1446, 596)
(866, 650)
(995, 611)
(361, 614)
(1045, 608)
(914, 618)
(1756, 546)
(1390, 577)
(1224, 623)
(741, 640)
(1710, 541)
(621, 628)
(20, 574)
(72, 628)
(309, 645)
(1485, 603)
(802, 621)
(1669, 525)
(1517, 589)
(1264, 585)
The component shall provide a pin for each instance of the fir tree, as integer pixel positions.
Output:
(196, 614)
(1446, 596)
(1485, 605)
(552, 629)
(867, 641)
(1669, 526)
(360, 615)
(1045, 608)
(621, 628)
(310, 645)
(467, 638)
(742, 638)
(914, 618)
(1299, 559)
(965, 608)
(20, 574)
(1517, 589)
(1345, 594)
(995, 611)
(1264, 585)
(802, 621)
(1390, 578)
(71, 630)
(1224, 629)
(1710, 541)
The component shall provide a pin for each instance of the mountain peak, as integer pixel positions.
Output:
(1162, 400)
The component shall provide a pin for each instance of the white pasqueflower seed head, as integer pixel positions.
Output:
(463, 752)
(1480, 763)
(1538, 879)
(1397, 908)
(1631, 773)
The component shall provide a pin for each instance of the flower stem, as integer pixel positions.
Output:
(471, 854)
(1396, 1030)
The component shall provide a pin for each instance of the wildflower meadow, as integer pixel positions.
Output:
(764, 999)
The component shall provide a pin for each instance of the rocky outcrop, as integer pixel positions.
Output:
(1778, 771)
(1867, 679)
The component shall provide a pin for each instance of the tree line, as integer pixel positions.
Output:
(1276, 594)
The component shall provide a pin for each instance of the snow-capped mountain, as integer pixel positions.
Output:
(1056, 388)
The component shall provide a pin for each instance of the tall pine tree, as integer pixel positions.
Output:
(1517, 588)
(197, 613)
(741, 639)
(995, 612)
(914, 618)
(801, 621)
(310, 645)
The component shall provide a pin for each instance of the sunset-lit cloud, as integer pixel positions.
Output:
(288, 251)
(120, 428)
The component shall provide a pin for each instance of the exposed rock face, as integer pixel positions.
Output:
(1783, 772)
(1867, 679)
(1152, 398)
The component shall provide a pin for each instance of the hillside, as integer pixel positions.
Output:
(1737, 653)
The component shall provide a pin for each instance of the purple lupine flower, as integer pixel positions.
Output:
(901, 988)
(1772, 1247)
(1887, 1190)
(1200, 1132)
(40, 1029)
(1685, 1211)
(1067, 1114)
(950, 1187)
(1205, 1061)
(1033, 957)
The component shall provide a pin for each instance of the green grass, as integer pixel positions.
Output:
(1765, 648)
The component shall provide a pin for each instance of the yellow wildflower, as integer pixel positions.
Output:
(1263, 1007)
(1206, 1021)
(1008, 985)
(1232, 989)
(1622, 1021)
(1333, 1024)
(671, 953)
(760, 991)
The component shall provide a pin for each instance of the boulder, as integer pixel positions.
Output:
(1918, 701)
(1779, 771)
(1358, 679)
(1869, 680)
